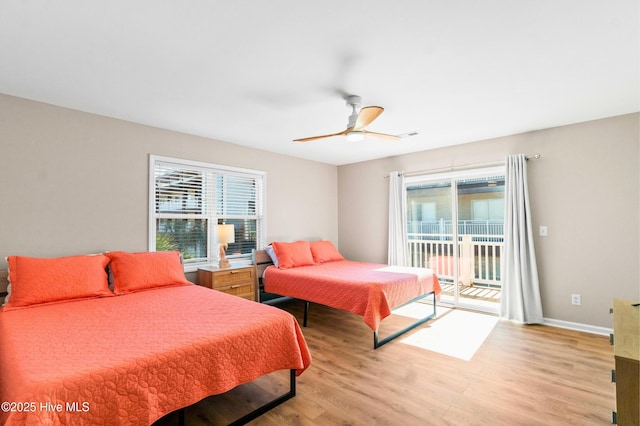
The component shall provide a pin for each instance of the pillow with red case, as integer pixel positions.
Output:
(144, 270)
(36, 281)
(325, 251)
(291, 255)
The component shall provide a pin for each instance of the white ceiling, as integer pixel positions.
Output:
(261, 73)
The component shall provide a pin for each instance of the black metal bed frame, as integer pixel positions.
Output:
(260, 410)
(376, 341)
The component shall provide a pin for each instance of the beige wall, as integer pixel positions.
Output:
(72, 182)
(585, 188)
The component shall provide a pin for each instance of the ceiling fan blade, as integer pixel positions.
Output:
(313, 138)
(382, 136)
(408, 134)
(367, 115)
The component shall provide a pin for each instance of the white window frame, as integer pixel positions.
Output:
(211, 215)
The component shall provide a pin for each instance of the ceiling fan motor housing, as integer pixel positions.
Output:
(354, 102)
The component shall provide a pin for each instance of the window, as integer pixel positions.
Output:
(489, 209)
(187, 200)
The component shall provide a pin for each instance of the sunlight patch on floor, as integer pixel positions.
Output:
(418, 310)
(456, 333)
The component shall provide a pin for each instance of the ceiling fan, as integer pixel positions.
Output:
(358, 120)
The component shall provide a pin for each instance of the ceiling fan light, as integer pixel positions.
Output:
(355, 136)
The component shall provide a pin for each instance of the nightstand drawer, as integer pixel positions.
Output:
(227, 278)
(243, 290)
(236, 280)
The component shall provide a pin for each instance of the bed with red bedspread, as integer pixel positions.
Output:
(135, 354)
(370, 290)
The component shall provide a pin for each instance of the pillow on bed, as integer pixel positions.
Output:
(294, 254)
(325, 251)
(42, 280)
(139, 271)
(272, 255)
(6, 298)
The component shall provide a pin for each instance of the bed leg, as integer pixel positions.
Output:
(306, 313)
(270, 405)
(292, 383)
(181, 417)
(377, 343)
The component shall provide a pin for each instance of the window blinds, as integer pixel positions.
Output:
(189, 198)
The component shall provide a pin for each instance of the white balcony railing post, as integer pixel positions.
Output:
(466, 260)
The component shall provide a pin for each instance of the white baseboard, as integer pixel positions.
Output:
(578, 326)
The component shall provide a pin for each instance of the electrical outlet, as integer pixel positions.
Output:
(576, 300)
(543, 231)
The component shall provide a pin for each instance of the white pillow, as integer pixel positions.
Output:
(272, 255)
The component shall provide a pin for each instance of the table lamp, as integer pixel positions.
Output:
(225, 234)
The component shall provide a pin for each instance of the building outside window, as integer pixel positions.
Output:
(188, 198)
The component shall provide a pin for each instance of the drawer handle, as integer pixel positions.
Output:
(233, 272)
(235, 286)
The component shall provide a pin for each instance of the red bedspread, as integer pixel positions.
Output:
(132, 359)
(367, 289)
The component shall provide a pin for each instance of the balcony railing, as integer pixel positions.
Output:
(468, 227)
(479, 256)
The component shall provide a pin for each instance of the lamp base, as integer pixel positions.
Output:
(223, 264)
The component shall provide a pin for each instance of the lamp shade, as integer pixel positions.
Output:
(225, 234)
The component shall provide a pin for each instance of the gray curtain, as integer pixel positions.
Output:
(520, 286)
(398, 240)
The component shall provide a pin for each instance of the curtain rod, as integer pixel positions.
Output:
(463, 167)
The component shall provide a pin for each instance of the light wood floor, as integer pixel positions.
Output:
(521, 375)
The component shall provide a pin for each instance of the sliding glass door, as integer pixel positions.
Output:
(455, 224)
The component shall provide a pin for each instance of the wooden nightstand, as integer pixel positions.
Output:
(236, 280)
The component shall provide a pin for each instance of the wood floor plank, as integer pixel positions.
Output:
(524, 375)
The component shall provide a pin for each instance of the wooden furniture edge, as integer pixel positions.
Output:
(626, 326)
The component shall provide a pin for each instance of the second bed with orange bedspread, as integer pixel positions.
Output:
(317, 272)
(367, 289)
